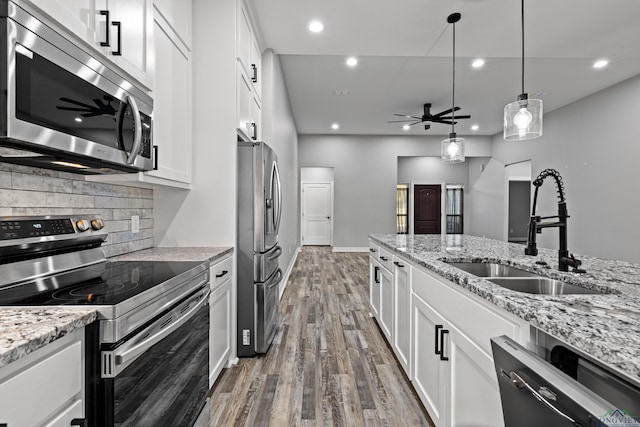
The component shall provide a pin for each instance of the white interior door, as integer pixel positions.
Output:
(317, 213)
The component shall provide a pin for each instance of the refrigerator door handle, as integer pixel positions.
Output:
(275, 254)
(277, 214)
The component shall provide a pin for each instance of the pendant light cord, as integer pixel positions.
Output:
(453, 95)
(522, 22)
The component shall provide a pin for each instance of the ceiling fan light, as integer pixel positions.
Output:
(452, 149)
(523, 119)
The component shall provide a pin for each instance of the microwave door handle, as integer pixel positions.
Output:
(137, 136)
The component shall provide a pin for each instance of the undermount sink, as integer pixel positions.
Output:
(520, 280)
(488, 269)
(540, 285)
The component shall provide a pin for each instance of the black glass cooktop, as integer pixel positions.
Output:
(107, 283)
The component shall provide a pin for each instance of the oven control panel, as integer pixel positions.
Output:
(24, 228)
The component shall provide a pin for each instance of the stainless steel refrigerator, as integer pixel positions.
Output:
(259, 213)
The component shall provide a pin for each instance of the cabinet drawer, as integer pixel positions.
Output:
(373, 250)
(386, 259)
(461, 308)
(220, 272)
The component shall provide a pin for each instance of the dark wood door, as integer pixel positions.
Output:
(426, 211)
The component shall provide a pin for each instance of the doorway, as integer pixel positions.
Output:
(517, 201)
(426, 209)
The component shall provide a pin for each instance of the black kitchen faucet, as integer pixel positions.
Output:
(565, 260)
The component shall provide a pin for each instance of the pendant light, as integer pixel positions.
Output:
(523, 118)
(453, 147)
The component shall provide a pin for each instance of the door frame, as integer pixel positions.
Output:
(331, 196)
(443, 218)
(517, 171)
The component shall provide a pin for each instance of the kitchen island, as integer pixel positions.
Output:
(605, 326)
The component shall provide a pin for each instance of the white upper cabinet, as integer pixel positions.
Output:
(121, 30)
(177, 13)
(130, 35)
(249, 80)
(172, 117)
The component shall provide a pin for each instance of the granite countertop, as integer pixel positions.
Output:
(605, 326)
(210, 254)
(22, 331)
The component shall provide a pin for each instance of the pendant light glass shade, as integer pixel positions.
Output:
(452, 149)
(523, 119)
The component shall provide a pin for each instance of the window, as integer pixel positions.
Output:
(454, 209)
(402, 209)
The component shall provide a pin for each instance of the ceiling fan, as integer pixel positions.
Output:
(442, 117)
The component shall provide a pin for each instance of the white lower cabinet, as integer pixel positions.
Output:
(46, 387)
(473, 396)
(440, 334)
(402, 313)
(220, 317)
(220, 330)
(430, 376)
(386, 303)
(374, 287)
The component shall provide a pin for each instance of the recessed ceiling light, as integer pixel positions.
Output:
(477, 63)
(600, 63)
(475, 127)
(78, 119)
(335, 126)
(406, 127)
(352, 61)
(316, 26)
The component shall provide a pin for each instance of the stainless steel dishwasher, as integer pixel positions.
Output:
(564, 387)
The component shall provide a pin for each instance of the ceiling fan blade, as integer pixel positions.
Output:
(81, 104)
(74, 109)
(402, 121)
(456, 117)
(408, 116)
(442, 113)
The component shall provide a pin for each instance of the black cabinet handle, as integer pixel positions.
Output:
(442, 332)
(376, 274)
(437, 340)
(398, 264)
(155, 157)
(372, 250)
(118, 51)
(254, 128)
(254, 77)
(105, 43)
(222, 274)
(384, 258)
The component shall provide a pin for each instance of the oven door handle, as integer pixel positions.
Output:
(113, 362)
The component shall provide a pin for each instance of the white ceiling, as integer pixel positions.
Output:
(404, 48)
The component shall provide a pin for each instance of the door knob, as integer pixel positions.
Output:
(328, 217)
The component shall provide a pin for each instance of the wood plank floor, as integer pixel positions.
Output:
(329, 364)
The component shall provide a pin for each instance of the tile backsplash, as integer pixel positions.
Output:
(26, 191)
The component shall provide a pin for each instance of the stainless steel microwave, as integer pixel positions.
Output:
(62, 108)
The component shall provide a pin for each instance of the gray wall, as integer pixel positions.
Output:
(365, 176)
(595, 144)
(279, 131)
(28, 191)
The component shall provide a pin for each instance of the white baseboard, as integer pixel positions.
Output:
(350, 249)
(285, 279)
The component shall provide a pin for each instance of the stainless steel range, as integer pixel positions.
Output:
(148, 362)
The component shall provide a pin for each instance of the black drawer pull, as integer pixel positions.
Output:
(222, 274)
(372, 250)
(437, 336)
(442, 332)
(398, 264)
(384, 258)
